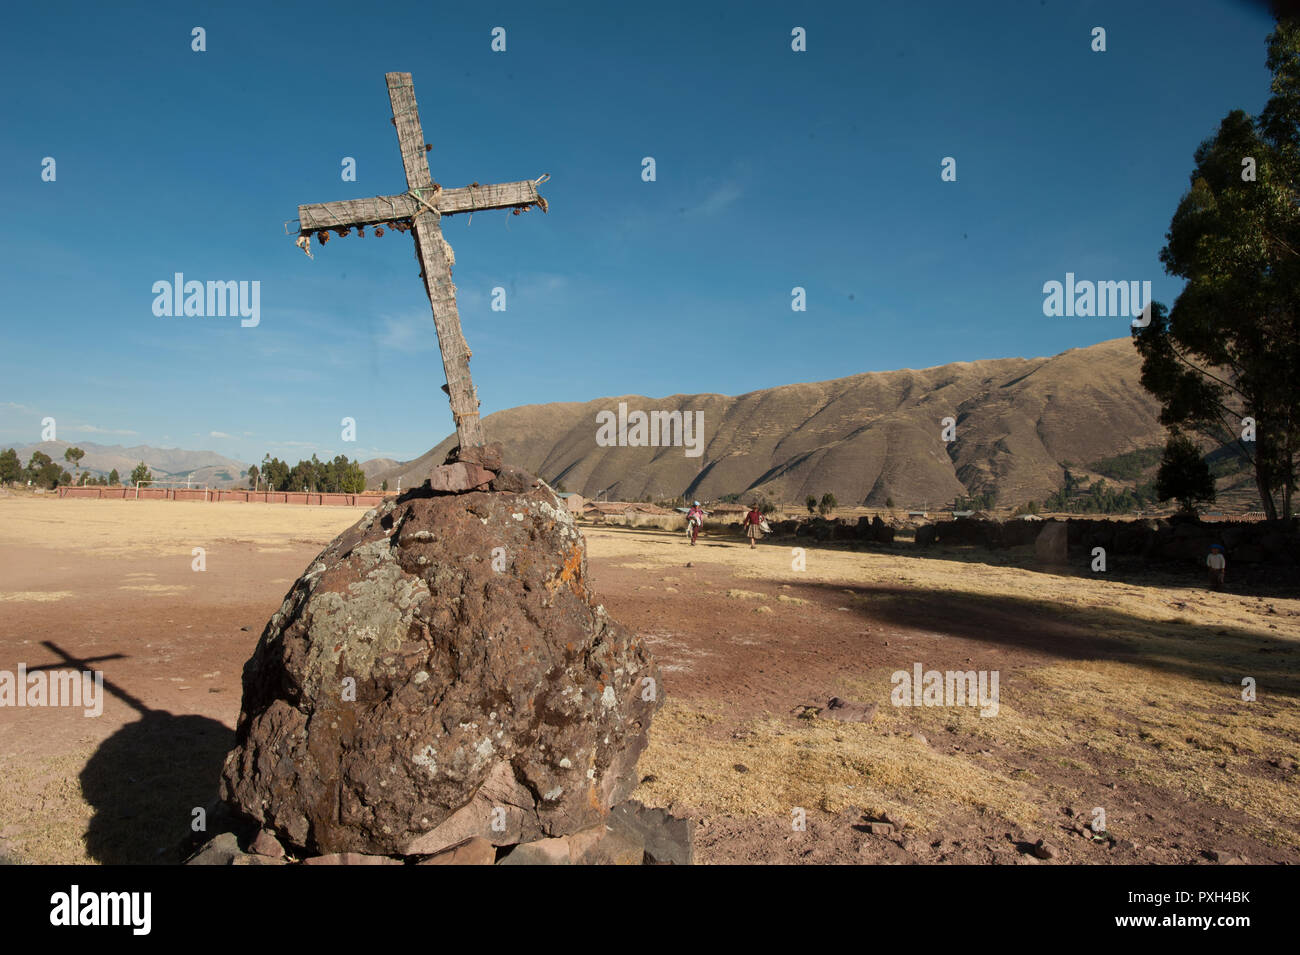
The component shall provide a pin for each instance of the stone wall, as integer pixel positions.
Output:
(1247, 542)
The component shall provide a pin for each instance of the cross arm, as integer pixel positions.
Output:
(361, 212)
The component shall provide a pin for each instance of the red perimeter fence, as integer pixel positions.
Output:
(367, 499)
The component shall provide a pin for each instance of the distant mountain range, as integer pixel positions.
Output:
(1016, 424)
(377, 466)
(167, 464)
(866, 438)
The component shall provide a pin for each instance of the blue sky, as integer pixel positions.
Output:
(774, 169)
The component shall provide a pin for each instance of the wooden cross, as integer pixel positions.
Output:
(424, 204)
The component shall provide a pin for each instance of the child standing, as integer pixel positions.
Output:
(1217, 564)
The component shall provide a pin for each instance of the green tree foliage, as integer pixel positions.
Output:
(114, 478)
(337, 476)
(141, 475)
(73, 456)
(1184, 475)
(11, 466)
(975, 502)
(811, 504)
(1075, 497)
(346, 476)
(384, 486)
(43, 472)
(252, 477)
(827, 504)
(305, 476)
(1128, 466)
(1230, 346)
(275, 473)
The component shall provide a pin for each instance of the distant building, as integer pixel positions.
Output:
(600, 511)
(619, 512)
(574, 502)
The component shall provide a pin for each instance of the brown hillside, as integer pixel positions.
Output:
(864, 438)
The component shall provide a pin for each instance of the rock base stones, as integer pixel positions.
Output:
(458, 477)
(632, 835)
(440, 673)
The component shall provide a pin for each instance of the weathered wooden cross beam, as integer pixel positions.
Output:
(424, 204)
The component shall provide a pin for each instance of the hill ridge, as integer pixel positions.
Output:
(865, 437)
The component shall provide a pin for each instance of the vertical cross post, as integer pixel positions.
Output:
(429, 247)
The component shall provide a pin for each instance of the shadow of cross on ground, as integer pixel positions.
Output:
(145, 781)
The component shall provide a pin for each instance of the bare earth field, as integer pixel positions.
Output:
(1116, 696)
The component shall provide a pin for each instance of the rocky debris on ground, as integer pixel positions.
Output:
(666, 839)
(266, 844)
(1045, 850)
(349, 858)
(221, 850)
(630, 834)
(442, 671)
(1226, 857)
(846, 711)
(475, 851)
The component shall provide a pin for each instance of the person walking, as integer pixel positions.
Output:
(752, 521)
(694, 521)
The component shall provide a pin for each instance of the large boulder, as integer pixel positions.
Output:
(881, 532)
(1050, 548)
(442, 672)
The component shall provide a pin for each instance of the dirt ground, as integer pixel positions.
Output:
(1116, 699)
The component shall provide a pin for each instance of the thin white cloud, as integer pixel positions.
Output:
(542, 283)
(721, 197)
(95, 429)
(219, 434)
(408, 333)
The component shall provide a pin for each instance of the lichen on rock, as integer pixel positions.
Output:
(407, 692)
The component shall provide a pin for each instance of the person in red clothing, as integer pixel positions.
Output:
(694, 521)
(752, 521)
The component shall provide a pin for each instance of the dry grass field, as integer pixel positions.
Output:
(1121, 696)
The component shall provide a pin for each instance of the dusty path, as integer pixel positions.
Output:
(1110, 695)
